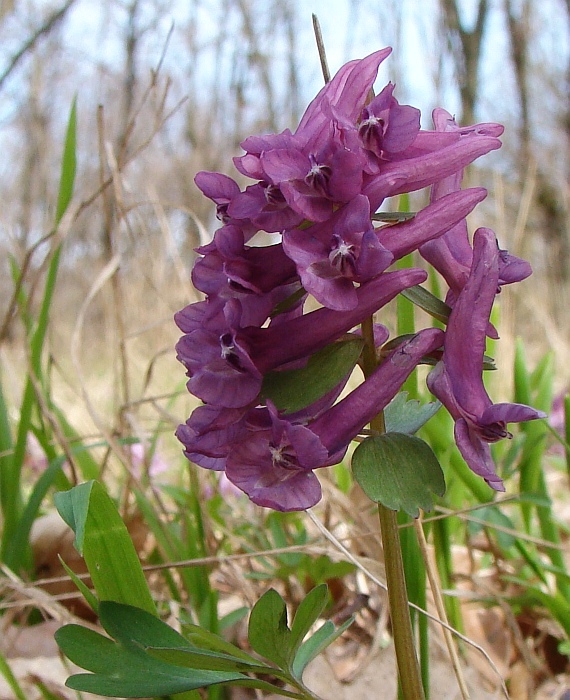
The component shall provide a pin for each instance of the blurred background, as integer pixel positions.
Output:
(167, 88)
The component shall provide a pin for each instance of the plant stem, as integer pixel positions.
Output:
(408, 667)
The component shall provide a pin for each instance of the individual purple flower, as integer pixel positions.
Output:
(387, 127)
(445, 122)
(297, 338)
(209, 434)
(346, 94)
(313, 179)
(265, 205)
(457, 380)
(256, 270)
(222, 190)
(250, 164)
(220, 368)
(446, 133)
(201, 314)
(411, 174)
(275, 466)
(331, 257)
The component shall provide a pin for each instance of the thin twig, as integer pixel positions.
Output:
(321, 49)
(29, 44)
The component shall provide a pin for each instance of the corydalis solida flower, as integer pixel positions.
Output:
(318, 188)
(457, 379)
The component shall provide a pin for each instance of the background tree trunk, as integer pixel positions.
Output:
(465, 48)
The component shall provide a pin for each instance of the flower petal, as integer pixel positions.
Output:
(477, 454)
(510, 413)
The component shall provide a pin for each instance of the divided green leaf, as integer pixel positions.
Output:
(316, 643)
(268, 632)
(307, 614)
(403, 416)
(124, 668)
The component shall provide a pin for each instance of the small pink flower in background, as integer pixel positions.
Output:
(225, 488)
(35, 458)
(139, 461)
(557, 420)
(556, 417)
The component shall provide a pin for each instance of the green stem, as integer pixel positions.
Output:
(407, 660)
(408, 667)
(567, 431)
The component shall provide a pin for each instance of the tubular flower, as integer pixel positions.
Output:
(332, 257)
(457, 380)
(226, 363)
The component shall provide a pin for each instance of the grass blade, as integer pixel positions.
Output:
(102, 539)
(68, 165)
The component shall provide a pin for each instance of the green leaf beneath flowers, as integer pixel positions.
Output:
(307, 614)
(400, 471)
(317, 643)
(403, 416)
(123, 668)
(293, 390)
(103, 540)
(268, 632)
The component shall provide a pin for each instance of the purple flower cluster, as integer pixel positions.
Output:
(318, 189)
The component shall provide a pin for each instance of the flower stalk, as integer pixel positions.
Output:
(406, 657)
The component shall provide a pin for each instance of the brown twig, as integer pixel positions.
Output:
(29, 44)
(321, 49)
